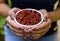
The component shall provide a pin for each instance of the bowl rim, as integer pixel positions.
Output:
(29, 25)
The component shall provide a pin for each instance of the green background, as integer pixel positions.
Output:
(2, 22)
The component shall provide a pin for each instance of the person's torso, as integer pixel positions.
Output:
(36, 4)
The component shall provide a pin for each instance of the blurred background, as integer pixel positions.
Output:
(2, 22)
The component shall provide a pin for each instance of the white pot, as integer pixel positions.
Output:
(29, 26)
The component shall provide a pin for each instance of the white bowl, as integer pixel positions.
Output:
(29, 26)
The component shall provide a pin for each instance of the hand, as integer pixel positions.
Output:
(12, 25)
(43, 28)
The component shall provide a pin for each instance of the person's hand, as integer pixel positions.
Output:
(12, 25)
(43, 28)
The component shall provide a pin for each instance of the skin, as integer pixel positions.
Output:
(43, 28)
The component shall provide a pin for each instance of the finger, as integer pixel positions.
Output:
(43, 25)
(12, 23)
(45, 14)
(13, 11)
(41, 31)
(18, 34)
(27, 35)
(41, 28)
(15, 30)
(11, 14)
(36, 36)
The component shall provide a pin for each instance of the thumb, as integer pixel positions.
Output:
(13, 11)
